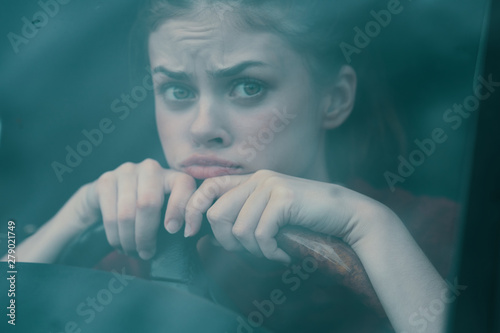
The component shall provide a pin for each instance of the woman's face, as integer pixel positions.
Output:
(233, 102)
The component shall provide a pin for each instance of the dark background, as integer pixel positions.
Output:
(62, 82)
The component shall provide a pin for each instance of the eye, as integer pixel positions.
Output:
(177, 93)
(247, 89)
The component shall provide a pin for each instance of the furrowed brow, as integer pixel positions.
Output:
(181, 76)
(234, 70)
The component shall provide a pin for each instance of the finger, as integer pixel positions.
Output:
(223, 233)
(150, 199)
(248, 219)
(273, 218)
(204, 196)
(106, 188)
(180, 186)
(126, 208)
(224, 212)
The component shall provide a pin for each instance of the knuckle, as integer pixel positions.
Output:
(148, 201)
(127, 168)
(194, 205)
(189, 211)
(207, 185)
(222, 180)
(272, 181)
(126, 216)
(239, 232)
(260, 236)
(213, 216)
(283, 192)
(150, 165)
(185, 181)
(105, 180)
(263, 174)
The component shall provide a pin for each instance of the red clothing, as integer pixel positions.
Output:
(117, 261)
(432, 221)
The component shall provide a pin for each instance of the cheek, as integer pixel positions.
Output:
(170, 130)
(290, 142)
(162, 126)
(273, 136)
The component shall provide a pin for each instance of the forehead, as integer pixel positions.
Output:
(206, 40)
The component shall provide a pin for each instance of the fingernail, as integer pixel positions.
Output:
(145, 255)
(187, 230)
(173, 226)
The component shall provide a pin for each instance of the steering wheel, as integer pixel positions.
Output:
(177, 262)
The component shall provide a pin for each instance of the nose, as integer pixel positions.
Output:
(208, 129)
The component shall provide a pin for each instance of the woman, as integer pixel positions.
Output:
(246, 93)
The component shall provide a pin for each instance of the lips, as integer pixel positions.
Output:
(202, 167)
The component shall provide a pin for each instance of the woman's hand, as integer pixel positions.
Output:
(130, 199)
(249, 210)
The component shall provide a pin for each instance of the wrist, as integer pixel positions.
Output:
(380, 232)
(366, 219)
(76, 215)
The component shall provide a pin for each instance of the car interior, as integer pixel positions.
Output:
(62, 76)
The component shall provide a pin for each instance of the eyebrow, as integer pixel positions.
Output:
(181, 76)
(219, 73)
(234, 70)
